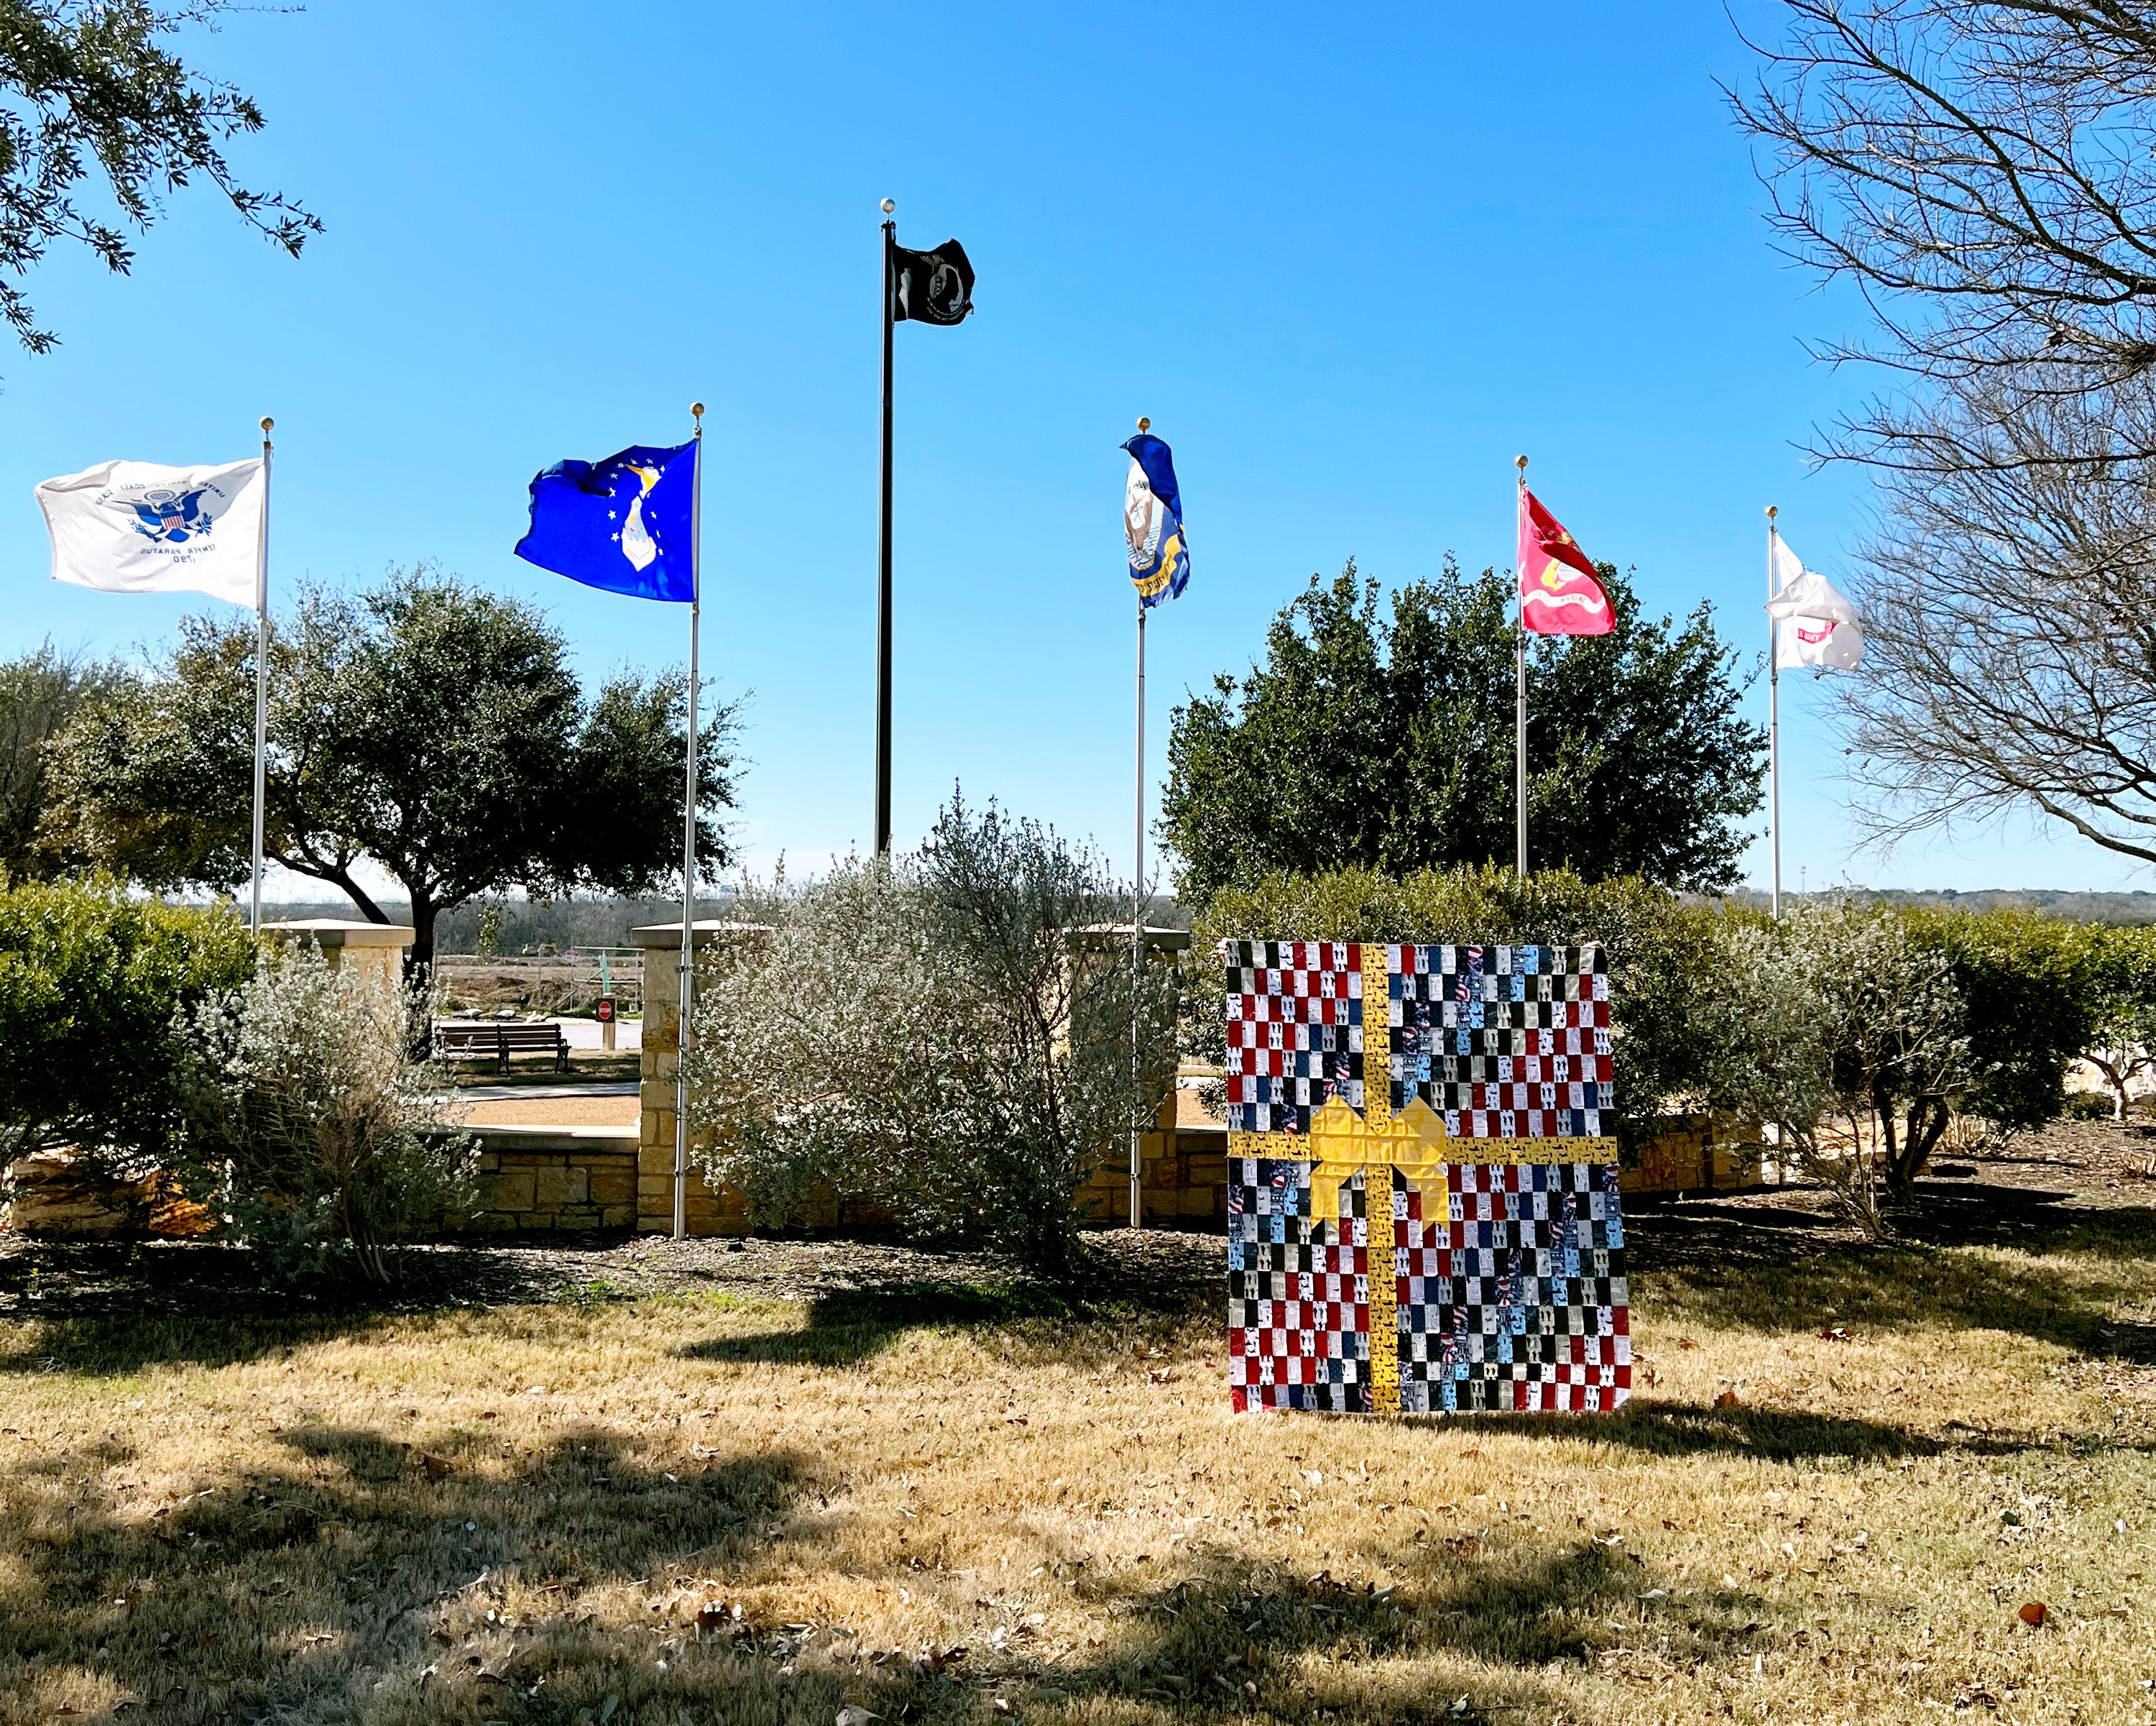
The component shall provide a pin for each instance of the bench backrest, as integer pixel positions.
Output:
(547, 1035)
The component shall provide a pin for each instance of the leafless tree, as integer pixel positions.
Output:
(2009, 609)
(1984, 173)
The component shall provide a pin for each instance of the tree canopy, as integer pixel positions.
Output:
(1388, 744)
(432, 730)
(89, 83)
(40, 692)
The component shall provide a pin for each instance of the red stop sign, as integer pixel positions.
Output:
(605, 1009)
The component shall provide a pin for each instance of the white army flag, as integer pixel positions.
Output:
(140, 527)
(1818, 626)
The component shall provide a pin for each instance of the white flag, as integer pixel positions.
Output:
(138, 527)
(1818, 626)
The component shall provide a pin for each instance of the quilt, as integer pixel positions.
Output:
(1422, 1201)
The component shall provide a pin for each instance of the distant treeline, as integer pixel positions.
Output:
(2118, 909)
(523, 924)
(526, 925)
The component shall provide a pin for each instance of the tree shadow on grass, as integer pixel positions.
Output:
(847, 1326)
(109, 1347)
(356, 1579)
(1773, 1435)
(1309, 1645)
(2076, 1275)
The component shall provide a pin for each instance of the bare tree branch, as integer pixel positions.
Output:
(2011, 617)
(1983, 174)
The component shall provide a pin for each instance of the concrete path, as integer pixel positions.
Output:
(538, 1093)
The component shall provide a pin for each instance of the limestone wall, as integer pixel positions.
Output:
(545, 1179)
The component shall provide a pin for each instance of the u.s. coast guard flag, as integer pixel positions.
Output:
(1818, 626)
(623, 524)
(1153, 521)
(141, 527)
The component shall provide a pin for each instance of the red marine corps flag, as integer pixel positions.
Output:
(1559, 594)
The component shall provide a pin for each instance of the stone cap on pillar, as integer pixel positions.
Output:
(332, 934)
(1111, 937)
(667, 936)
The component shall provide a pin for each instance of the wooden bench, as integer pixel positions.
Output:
(497, 1040)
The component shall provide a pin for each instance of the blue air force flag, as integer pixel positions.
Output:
(140, 527)
(1153, 521)
(623, 524)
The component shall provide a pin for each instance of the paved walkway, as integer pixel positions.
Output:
(539, 1093)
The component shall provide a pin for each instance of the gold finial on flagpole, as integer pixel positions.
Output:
(888, 207)
(267, 424)
(1772, 512)
(696, 408)
(1521, 463)
(1144, 423)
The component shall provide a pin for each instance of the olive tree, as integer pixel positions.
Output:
(1836, 1026)
(947, 1040)
(2124, 1047)
(309, 1132)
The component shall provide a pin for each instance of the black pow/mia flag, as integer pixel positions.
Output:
(931, 287)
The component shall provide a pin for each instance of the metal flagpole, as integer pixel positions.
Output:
(1520, 675)
(689, 850)
(883, 550)
(261, 678)
(1138, 897)
(1774, 720)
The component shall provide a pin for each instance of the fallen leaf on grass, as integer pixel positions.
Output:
(853, 1714)
(2033, 1614)
(1836, 1334)
(437, 1466)
(1728, 1400)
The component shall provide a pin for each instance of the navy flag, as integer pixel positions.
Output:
(931, 287)
(1153, 521)
(623, 524)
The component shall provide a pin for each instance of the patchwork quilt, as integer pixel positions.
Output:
(1423, 1211)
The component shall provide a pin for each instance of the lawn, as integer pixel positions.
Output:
(651, 1484)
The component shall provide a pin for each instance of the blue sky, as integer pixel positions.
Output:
(1349, 270)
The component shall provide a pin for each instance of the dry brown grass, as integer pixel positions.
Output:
(516, 1514)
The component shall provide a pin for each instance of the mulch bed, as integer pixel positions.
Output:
(2038, 1184)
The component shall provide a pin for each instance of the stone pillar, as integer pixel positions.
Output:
(709, 1213)
(375, 949)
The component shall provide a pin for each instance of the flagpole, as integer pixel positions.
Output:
(1773, 721)
(688, 849)
(883, 551)
(1138, 933)
(1520, 677)
(261, 679)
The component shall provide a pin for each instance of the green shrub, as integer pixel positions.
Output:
(1836, 1016)
(2032, 988)
(1660, 950)
(311, 1134)
(90, 981)
(2090, 1106)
